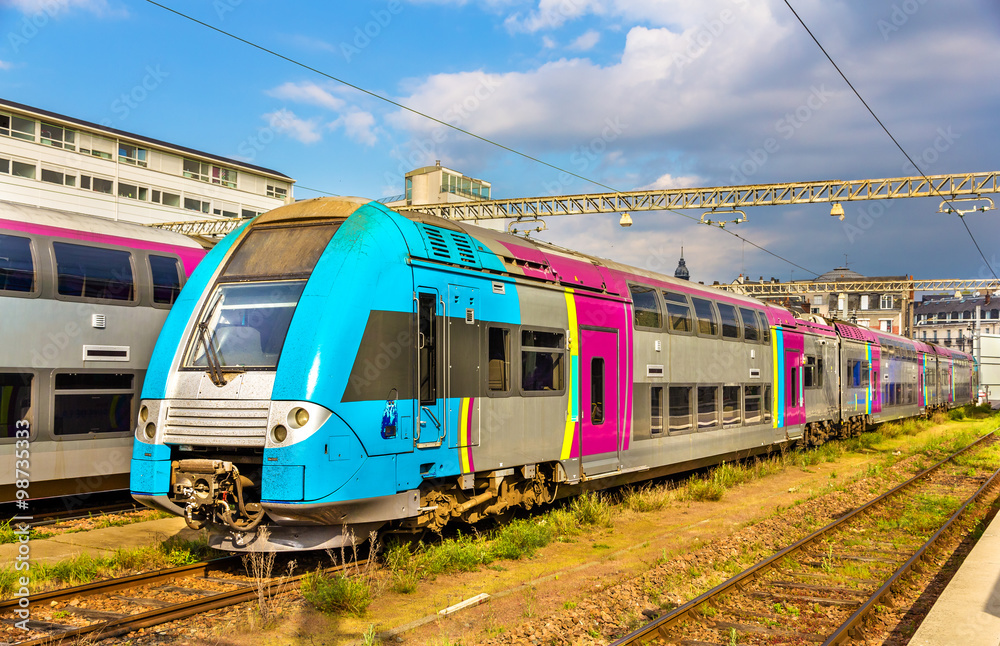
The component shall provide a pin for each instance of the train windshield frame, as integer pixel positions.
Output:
(245, 326)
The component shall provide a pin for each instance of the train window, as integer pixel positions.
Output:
(597, 390)
(731, 410)
(647, 308)
(752, 404)
(656, 410)
(15, 402)
(542, 361)
(767, 402)
(499, 367)
(678, 312)
(93, 403)
(809, 373)
(245, 325)
(281, 251)
(166, 279)
(708, 321)
(708, 406)
(90, 272)
(750, 330)
(427, 347)
(17, 269)
(679, 406)
(730, 321)
(765, 330)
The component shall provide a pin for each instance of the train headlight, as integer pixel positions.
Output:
(299, 417)
(279, 433)
(150, 430)
(143, 413)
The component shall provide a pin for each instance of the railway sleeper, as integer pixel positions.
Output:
(770, 632)
(823, 601)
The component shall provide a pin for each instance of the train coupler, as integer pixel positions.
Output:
(203, 488)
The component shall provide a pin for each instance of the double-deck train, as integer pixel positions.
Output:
(335, 366)
(82, 300)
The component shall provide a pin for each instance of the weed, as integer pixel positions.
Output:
(569, 605)
(339, 592)
(7, 534)
(369, 637)
(591, 509)
(601, 546)
(646, 498)
(520, 538)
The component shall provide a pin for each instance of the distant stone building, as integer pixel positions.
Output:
(433, 185)
(682, 271)
(952, 321)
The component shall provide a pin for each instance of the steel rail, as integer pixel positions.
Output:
(125, 625)
(122, 583)
(849, 628)
(659, 626)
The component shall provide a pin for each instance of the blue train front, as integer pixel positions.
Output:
(297, 382)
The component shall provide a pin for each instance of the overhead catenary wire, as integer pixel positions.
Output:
(440, 122)
(886, 129)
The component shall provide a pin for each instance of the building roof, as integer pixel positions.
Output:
(838, 273)
(140, 138)
(956, 305)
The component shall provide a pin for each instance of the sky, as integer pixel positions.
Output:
(631, 94)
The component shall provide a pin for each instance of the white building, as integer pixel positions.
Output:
(58, 162)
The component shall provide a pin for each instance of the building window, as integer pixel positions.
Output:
(277, 191)
(646, 307)
(541, 361)
(864, 301)
(22, 169)
(93, 403)
(841, 302)
(499, 364)
(15, 402)
(817, 300)
(166, 279)
(885, 325)
(95, 145)
(224, 176)
(133, 192)
(58, 177)
(91, 272)
(17, 268)
(166, 199)
(885, 302)
(97, 184)
(195, 204)
(58, 137)
(250, 213)
(195, 170)
(5, 124)
(22, 128)
(134, 155)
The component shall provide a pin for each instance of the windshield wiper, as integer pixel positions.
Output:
(211, 356)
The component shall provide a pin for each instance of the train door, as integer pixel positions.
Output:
(600, 424)
(430, 426)
(462, 376)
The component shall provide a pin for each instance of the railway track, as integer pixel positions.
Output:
(157, 597)
(822, 588)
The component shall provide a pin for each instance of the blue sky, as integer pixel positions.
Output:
(632, 94)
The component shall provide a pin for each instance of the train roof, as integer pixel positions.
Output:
(34, 219)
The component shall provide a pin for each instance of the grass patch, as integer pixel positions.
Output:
(592, 508)
(341, 592)
(85, 568)
(7, 534)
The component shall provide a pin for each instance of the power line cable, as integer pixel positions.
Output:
(898, 145)
(436, 120)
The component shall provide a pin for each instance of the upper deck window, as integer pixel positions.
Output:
(678, 312)
(647, 308)
(708, 320)
(166, 279)
(17, 269)
(280, 251)
(245, 325)
(91, 272)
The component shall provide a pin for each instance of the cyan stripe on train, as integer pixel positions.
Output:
(365, 268)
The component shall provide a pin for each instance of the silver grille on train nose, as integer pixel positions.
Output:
(217, 422)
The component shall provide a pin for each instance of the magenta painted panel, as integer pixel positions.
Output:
(794, 347)
(877, 379)
(189, 256)
(602, 437)
(533, 255)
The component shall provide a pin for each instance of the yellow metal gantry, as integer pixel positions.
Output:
(861, 285)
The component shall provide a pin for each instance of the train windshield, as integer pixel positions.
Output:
(245, 325)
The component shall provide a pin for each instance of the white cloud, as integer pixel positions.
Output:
(667, 181)
(6, 65)
(309, 93)
(548, 42)
(55, 8)
(586, 41)
(285, 121)
(358, 125)
(552, 14)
